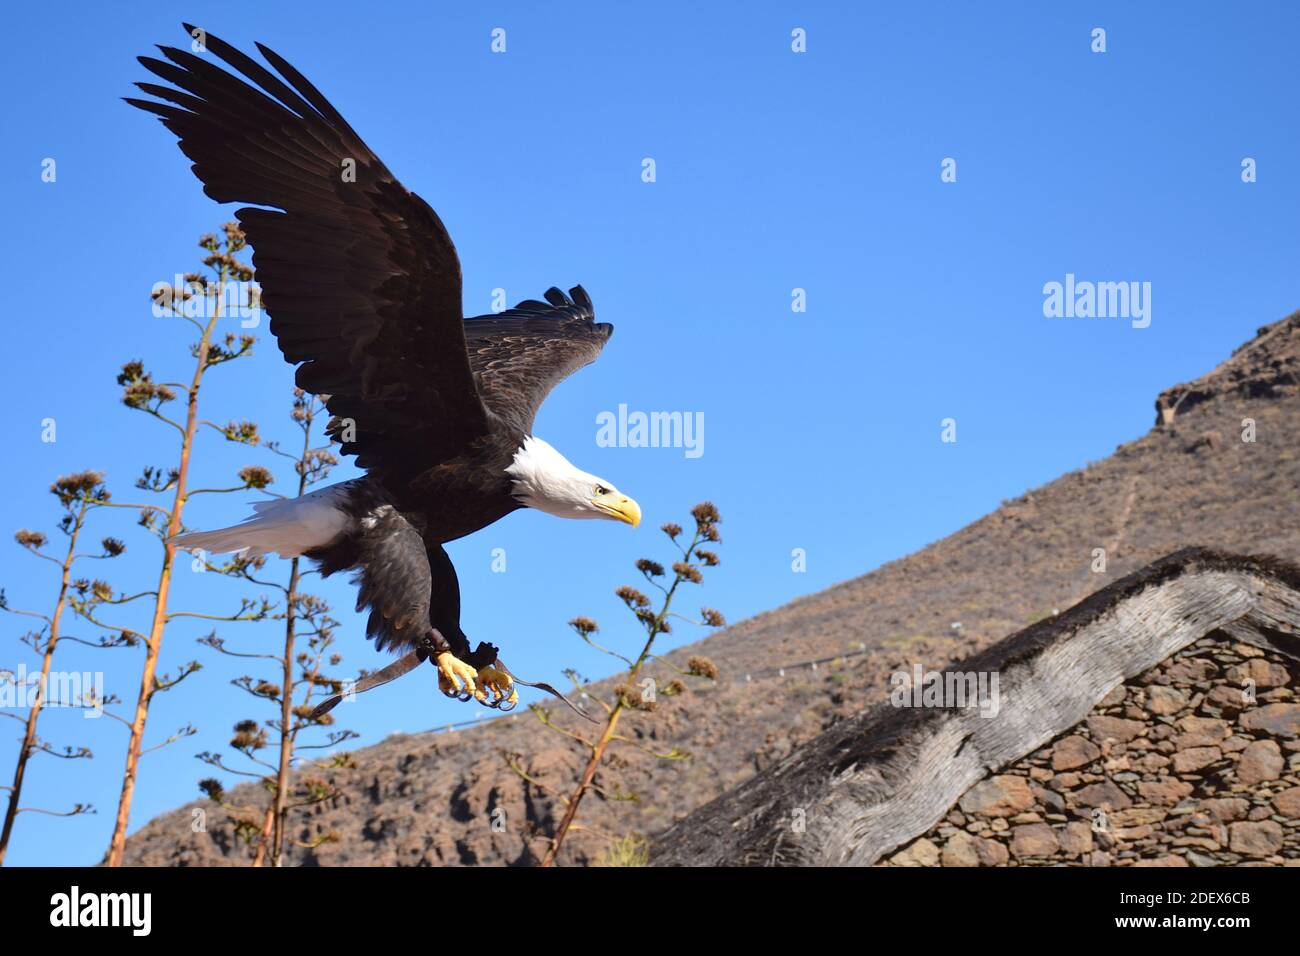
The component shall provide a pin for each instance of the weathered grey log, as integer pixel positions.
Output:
(878, 780)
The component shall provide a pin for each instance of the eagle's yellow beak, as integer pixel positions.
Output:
(619, 506)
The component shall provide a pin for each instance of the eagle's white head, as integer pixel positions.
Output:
(546, 480)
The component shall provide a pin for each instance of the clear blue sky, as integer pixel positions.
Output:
(775, 170)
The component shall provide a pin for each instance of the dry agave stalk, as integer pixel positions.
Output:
(306, 619)
(78, 495)
(214, 291)
(637, 691)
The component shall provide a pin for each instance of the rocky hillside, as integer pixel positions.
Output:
(430, 799)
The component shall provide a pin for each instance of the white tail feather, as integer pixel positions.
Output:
(286, 527)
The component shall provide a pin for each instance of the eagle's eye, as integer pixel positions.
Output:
(601, 490)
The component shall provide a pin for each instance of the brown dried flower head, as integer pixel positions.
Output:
(687, 572)
(700, 666)
(138, 388)
(712, 617)
(30, 539)
(631, 596)
(632, 697)
(584, 625)
(131, 372)
(81, 486)
(650, 568)
(255, 476)
(235, 239)
(705, 513)
(249, 735)
(245, 432)
(213, 788)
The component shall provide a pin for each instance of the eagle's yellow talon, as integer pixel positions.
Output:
(500, 683)
(453, 673)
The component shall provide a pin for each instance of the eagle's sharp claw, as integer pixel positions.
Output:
(500, 683)
(456, 677)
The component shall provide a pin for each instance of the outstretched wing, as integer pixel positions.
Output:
(358, 274)
(519, 355)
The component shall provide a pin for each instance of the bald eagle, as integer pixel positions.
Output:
(363, 288)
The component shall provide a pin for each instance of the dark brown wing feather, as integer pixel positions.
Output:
(519, 355)
(360, 278)
(395, 580)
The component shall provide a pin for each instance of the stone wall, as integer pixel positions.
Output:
(1195, 762)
